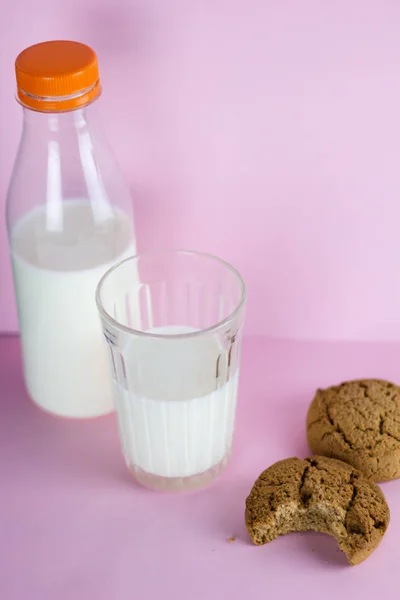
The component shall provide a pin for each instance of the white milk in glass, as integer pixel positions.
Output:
(57, 261)
(176, 418)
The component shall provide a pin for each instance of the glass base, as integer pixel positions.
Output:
(179, 484)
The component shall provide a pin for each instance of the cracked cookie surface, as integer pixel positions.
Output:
(320, 494)
(358, 422)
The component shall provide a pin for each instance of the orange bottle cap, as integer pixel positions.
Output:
(57, 76)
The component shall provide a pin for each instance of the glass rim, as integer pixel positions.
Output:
(165, 336)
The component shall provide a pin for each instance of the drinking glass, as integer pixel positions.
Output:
(173, 322)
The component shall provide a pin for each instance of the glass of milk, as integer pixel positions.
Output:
(173, 322)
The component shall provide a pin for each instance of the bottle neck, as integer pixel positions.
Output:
(64, 158)
(36, 121)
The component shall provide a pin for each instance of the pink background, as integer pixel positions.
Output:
(267, 132)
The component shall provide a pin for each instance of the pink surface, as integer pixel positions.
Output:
(74, 525)
(264, 131)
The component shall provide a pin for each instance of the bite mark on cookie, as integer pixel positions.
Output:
(319, 494)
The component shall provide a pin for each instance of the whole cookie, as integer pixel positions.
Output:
(358, 422)
(320, 494)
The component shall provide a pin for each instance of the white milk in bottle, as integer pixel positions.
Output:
(69, 219)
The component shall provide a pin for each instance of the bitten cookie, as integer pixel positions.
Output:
(320, 494)
(358, 422)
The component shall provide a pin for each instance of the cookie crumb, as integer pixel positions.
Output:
(232, 539)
